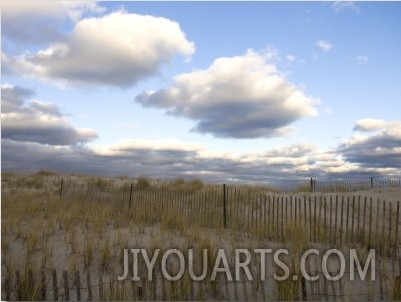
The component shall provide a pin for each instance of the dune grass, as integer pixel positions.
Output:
(41, 231)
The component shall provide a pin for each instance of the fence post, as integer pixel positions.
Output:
(163, 289)
(389, 227)
(310, 219)
(371, 182)
(277, 213)
(61, 186)
(358, 229)
(100, 286)
(303, 288)
(341, 287)
(260, 211)
(382, 244)
(224, 205)
(311, 184)
(130, 197)
(30, 283)
(7, 289)
(55, 288)
(396, 232)
(315, 220)
(399, 266)
(265, 211)
(43, 286)
(341, 219)
(377, 221)
(88, 280)
(347, 221)
(335, 221)
(18, 282)
(78, 284)
(363, 222)
(282, 217)
(370, 223)
(353, 218)
(381, 282)
(66, 286)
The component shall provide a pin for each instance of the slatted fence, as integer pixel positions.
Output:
(351, 185)
(51, 285)
(329, 218)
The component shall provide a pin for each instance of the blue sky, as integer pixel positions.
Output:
(223, 91)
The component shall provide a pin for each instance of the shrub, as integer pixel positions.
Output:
(142, 183)
(101, 183)
(196, 184)
(178, 182)
(46, 173)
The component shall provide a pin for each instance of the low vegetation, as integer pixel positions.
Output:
(87, 233)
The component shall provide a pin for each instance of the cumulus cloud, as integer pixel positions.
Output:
(378, 146)
(58, 9)
(13, 97)
(324, 45)
(371, 124)
(238, 97)
(118, 49)
(33, 22)
(36, 121)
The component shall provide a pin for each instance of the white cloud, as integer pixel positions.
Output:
(19, 9)
(129, 145)
(361, 59)
(324, 45)
(290, 58)
(339, 6)
(240, 97)
(371, 124)
(77, 9)
(118, 49)
(14, 11)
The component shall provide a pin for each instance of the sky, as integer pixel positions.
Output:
(228, 92)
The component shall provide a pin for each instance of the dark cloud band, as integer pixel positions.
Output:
(36, 121)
